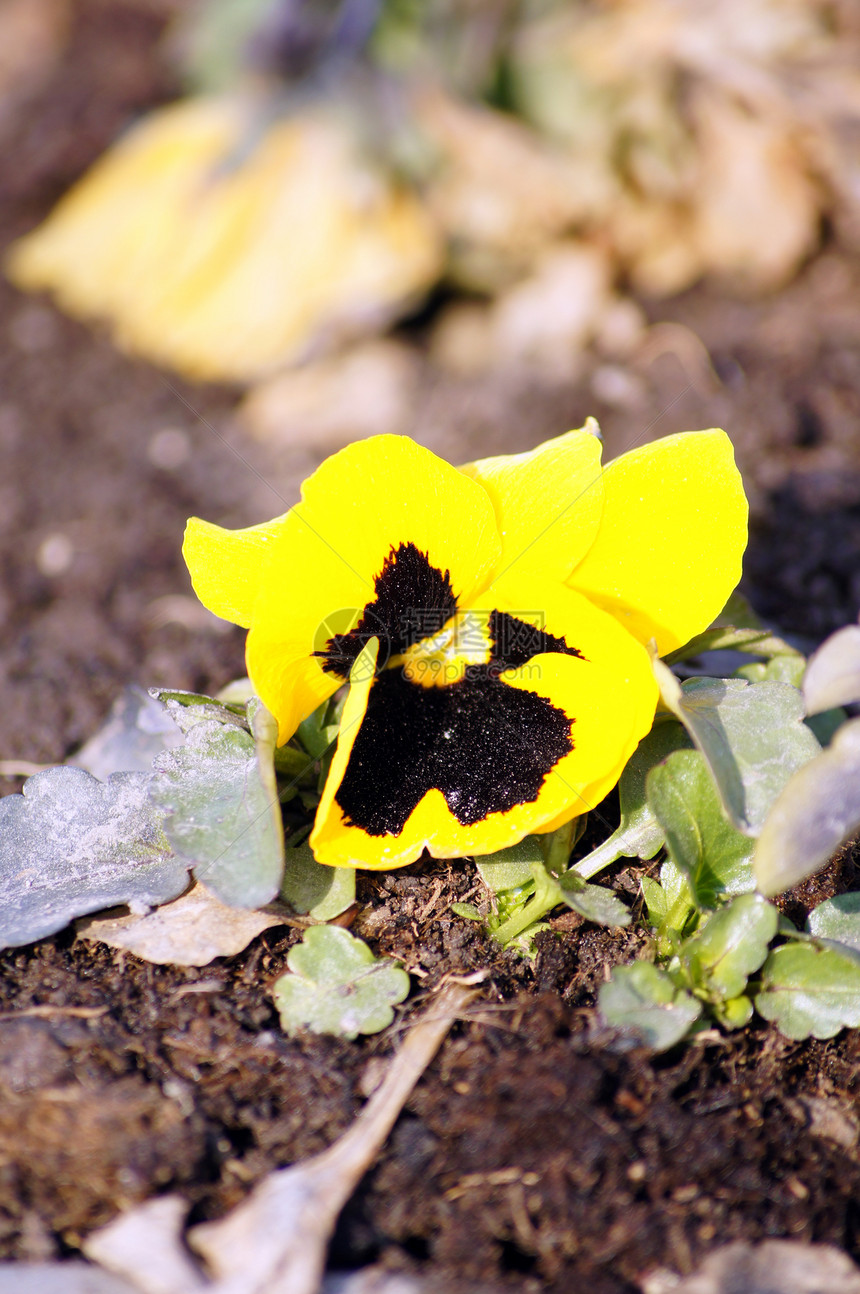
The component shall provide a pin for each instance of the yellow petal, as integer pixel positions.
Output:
(548, 503)
(457, 752)
(383, 516)
(225, 565)
(674, 529)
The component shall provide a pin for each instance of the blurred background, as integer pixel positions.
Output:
(238, 234)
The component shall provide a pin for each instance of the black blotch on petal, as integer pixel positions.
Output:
(515, 641)
(485, 745)
(413, 600)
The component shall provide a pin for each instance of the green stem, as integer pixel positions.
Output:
(599, 858)
(547, 896)
(558, 847)
(515, 925)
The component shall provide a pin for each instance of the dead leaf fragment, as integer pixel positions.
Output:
(785, 1265)
(191, 931)
(366, 391)
(60, 1278)
(830, 1119)
(755, 203)
(548, 318)
(500, 193)
(145, 1246)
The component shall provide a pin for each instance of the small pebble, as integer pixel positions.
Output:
(54, 555)
(169, 449)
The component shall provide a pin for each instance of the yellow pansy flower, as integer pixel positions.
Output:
(491, 623)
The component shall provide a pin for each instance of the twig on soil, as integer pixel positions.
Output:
(80, 1012)
(276, 1241)
(20, 768)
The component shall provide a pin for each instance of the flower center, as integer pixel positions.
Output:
(442, 659)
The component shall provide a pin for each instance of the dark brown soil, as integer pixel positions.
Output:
(531, 1156)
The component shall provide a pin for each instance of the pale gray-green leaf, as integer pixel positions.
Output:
(335, 985)
(818, 810)
(832, 676)
(837, 919)
(752, 735)
(187, 709)
(643, 1001)
(510, 868)
(594, 902)
(639, 834)
(809, 991)
(70, 845)
(223, 811)
(713, 854)
(313, 889)
(137, 729)
(731, 945)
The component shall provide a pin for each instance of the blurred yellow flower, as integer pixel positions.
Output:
(491, 622)
(225, 250)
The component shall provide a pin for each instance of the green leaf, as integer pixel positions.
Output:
(656, 900)
(639, 834)
(314, 732)
(817, 811)
(467, 911)
(678, 899)
(730, 946)
(676, 884)
(510, 868)
(826, 724)
(779, 669)
(294, 764)
(809, 991)
(313, 889)
(752, 735)
(524, 942)
(220, 794)
(713, 855)
(736, 1013)
(736, 628)
(71, 845)
(594, 902)
(833, 674)
(335, 985)
(643, 1001)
